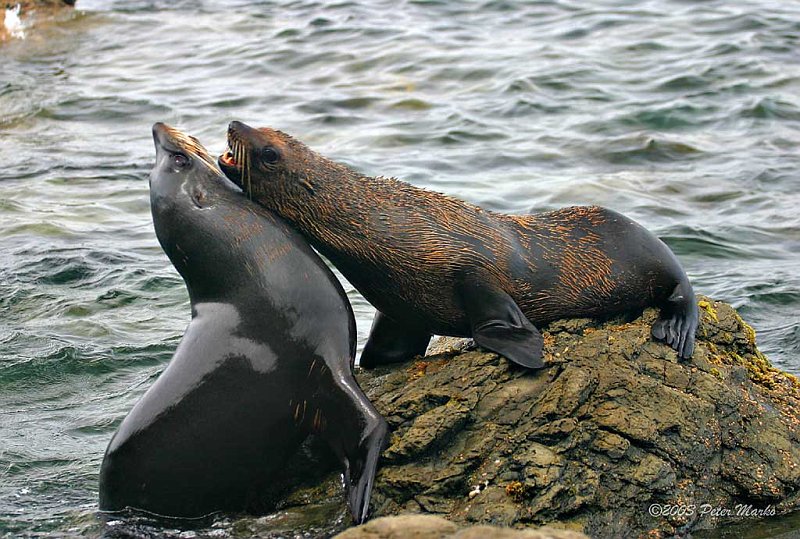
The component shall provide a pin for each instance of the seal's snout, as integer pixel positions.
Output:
(234, 130)
(231, 161)
(240, 131)
(158, 130)
(163, 136)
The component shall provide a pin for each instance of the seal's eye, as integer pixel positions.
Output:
(269, 155)
(180, 160)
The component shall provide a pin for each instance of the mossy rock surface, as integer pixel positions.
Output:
(615, 424)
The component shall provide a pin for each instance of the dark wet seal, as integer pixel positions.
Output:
(265, 361)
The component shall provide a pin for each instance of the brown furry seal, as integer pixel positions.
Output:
(433, 264)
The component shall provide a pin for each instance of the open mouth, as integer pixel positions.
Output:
(235, 162)
(231, 163)
(228, 159)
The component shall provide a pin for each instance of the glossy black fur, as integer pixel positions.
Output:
(266, 359)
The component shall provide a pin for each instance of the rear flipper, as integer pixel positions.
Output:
(392, 342)
(358, 435)
(678, 321)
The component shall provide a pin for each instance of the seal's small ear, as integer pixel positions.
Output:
(199, 196)
(305, 182)
(499, 325)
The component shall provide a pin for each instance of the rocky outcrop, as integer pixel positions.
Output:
(616, 438)
(16, 18)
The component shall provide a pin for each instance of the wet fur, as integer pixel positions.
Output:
(404, 248)
(266, 359)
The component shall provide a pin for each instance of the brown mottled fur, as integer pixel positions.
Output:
(404, 247)
(431, 263)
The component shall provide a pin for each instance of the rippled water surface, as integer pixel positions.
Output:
(683, 115)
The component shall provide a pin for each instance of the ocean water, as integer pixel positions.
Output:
(684, 115)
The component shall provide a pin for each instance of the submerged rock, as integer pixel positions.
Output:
(616, 438)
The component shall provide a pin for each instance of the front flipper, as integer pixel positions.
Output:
(361, 462)
(499, 325)
(358, 434)
(392, 342)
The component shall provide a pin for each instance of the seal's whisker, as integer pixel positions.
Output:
(240, 160)
(237, 158)
(246, 170)
(249, 179)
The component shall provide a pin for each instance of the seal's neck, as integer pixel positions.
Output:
(332, 205)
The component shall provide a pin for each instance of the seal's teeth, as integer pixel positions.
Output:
(228, 158)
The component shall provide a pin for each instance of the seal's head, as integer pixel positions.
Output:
(196, 211)
(184, 170)
(267, 163)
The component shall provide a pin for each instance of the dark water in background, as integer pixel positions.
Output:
(684, 115)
